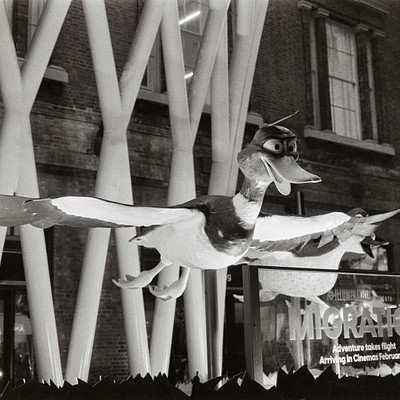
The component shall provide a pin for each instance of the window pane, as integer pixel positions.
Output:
(339, 118)
(193, 15)
(337, 93)
(191, 44)
(343, 81)
(192, 20)
(23, 348)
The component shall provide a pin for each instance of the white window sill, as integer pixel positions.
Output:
(381, 6)
(162, 98)
(56, 73)
(53, 72)
(329, 136)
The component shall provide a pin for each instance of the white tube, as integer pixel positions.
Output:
(182, 186)
(132, 300)
(139, 52)
(128, 257)
(195, 309)
(10, 76)
(87, 306)
(224, 157)
(11, 90)
(215, 281)
(16, 128)
(243, 63)
(41, 47)
(205, 61)
(110, 175)
(245, 17)
(47, 353)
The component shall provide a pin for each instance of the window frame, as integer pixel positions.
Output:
(350, 80)
(321, 130)
(54, 70)
(154, 89)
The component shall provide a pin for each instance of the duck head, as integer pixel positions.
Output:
(271, 157)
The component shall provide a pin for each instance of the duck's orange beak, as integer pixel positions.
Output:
(285, 170)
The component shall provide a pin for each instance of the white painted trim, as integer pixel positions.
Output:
(53, 72)
(304, 5)
(371, 87)
(329, 136)
(314, 74)
(381, 6)
(162, 98)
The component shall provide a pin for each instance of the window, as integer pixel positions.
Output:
(192, 20)
(24, 18)
(152, 79)
(343, 80)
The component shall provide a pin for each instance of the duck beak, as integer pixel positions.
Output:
(285, 170)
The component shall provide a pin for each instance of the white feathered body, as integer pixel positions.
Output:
(179, 243)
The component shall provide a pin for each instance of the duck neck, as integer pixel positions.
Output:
(248, 202)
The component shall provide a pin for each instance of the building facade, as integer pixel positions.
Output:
(336, 61)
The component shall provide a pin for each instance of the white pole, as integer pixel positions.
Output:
(205, 60)
(220, 138)
(249, 28)
(243, 62)
(245, 17)
(195, 314)
(45, 37)
(38, 286)
(32, 240)
(139, 53)
(11, 91)
(108, 185)
(215, 281)
(182, 186)
(128, 256)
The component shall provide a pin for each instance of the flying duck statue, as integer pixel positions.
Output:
(212, 232)
(315, 242)
(209, 232)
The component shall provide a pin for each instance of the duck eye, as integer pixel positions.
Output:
(273, 145)
(292, 147)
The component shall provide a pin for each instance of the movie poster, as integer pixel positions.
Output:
(354, 327)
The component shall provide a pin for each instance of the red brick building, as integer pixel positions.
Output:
(358, 160)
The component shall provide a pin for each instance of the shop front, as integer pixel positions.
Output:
(353, 328)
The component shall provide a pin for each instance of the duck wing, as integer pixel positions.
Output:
(78, 211)
(316, 235)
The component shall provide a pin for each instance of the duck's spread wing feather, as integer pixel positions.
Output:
(83, 211)
(318, 235)
(284, 227)
(301, 246)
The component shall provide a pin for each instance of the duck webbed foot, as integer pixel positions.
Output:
(142, 280)
(174, 290)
